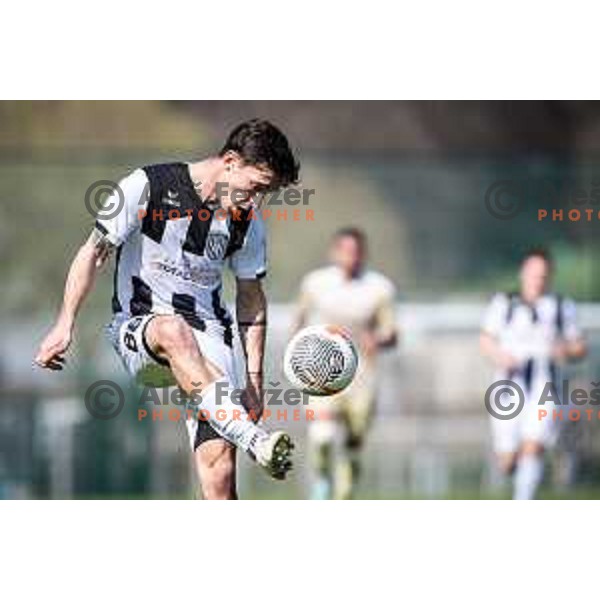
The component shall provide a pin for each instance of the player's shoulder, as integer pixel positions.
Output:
(499, 307)
(501, 304)
(553, 300)
(321, 276)
(164, 167)
(136, 176)
(502, 297)
(130, 191)
(556, 297)
(166, 175)
(380, 283)
(133, 184)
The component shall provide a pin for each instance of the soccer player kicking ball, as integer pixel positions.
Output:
(527, 335)
(179, 226)
(346, 293)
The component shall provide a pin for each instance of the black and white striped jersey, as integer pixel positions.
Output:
(172, 248)
(529, 331)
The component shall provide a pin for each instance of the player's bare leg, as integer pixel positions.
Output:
(172, 339)
(529, 470)
(216, 468)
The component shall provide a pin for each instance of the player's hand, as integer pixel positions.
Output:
(55, 344)
(369, 344)
(560, 352)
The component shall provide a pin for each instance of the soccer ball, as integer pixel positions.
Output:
(321, 360)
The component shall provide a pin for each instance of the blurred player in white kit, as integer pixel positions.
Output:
(527, 336)
(346, 293)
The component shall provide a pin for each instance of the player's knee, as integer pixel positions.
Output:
(218, 480)
(174, 335)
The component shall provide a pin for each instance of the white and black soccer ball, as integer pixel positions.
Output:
(321, 360)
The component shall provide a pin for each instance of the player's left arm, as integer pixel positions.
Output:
(572, 345)
(384, 330)
(251, 311)
(249, 264)
(385, 323)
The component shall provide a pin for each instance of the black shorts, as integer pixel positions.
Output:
(204, 433)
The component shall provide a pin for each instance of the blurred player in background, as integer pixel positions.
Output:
(346, 293)
(527, 335)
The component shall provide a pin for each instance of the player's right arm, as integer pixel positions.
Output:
(489, 339)
(491, 349)
(108, 234)
(80, 281)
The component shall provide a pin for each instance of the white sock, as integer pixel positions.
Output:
(228, 419)
(528, 476)
(321, 488)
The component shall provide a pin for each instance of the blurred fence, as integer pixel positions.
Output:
(430, 437)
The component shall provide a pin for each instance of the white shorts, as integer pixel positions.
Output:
(127, 336)
(509, 435)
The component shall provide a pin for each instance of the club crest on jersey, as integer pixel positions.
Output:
(216, 246)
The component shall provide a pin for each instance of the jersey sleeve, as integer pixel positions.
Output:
(307, 285)
(571, 330)
(121, 213)
(306, 294)
(494, 316)
(250, 261)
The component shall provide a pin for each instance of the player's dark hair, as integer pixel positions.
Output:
(357, 234)
(259, 142)
(539, 252)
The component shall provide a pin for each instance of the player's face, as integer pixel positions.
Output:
(244, 182)
(347, 254)
(535, 277)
